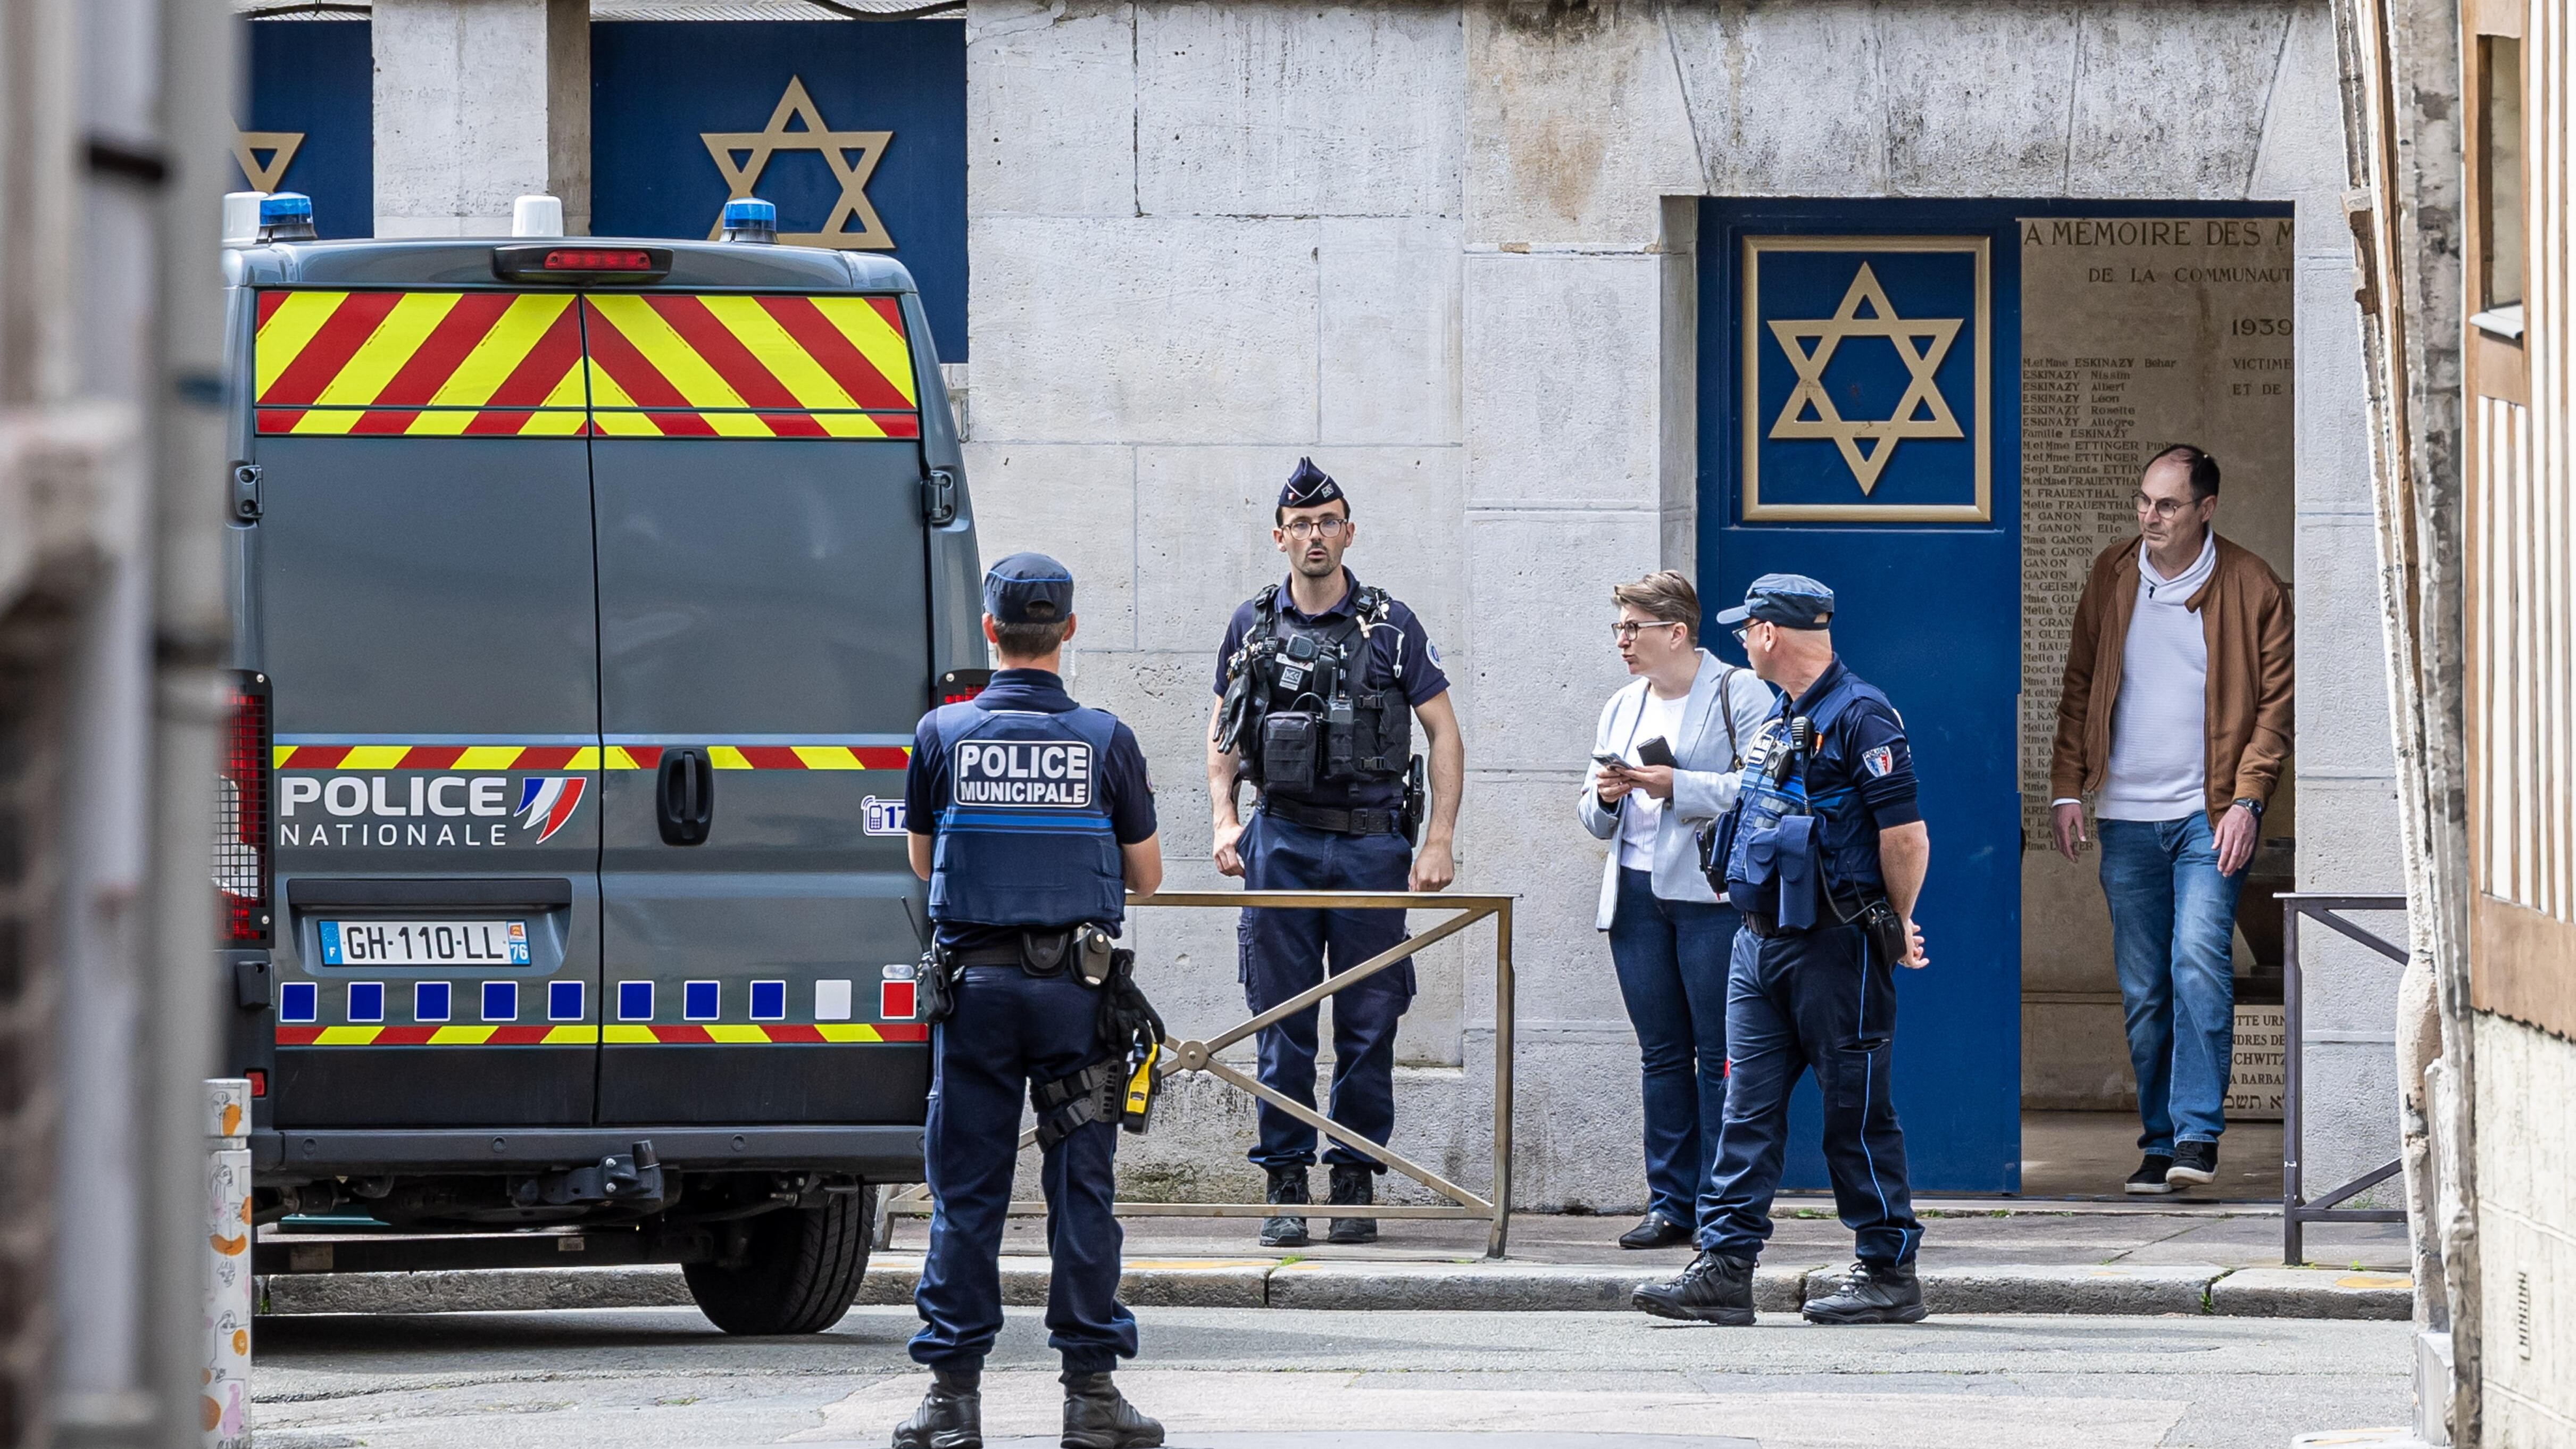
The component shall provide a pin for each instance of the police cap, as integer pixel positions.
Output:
(1792, 601)
(1309, 487)
(1029, 588)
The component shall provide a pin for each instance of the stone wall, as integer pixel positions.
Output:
(1447, 250)
(2527, 1229)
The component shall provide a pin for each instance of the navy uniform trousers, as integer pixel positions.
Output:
(1284, 952)
(1010, 1031)
(1810, 1001)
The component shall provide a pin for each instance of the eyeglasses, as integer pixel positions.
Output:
(2165, 508)
(1626, 629)
(1307, 527)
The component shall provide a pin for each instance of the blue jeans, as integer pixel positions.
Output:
(2172, 918)
(1671, 957)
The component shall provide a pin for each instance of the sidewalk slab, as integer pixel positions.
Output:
(2313, 1293)
(1478, 1286)
(2113, 1288)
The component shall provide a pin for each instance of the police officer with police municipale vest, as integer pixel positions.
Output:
(1824, 855)
(1317, 685)
(1031, 817)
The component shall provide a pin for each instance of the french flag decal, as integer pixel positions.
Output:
(547, 801)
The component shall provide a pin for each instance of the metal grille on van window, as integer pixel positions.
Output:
(242, 814)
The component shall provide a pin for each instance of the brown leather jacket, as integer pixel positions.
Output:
(2245, 617)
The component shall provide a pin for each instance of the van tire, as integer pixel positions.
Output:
(801, 1273)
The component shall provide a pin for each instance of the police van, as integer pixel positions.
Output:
(587, 592)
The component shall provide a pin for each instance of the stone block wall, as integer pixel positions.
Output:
(1447, 250)
(2527, 1231)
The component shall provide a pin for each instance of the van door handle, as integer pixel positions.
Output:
(684, 796)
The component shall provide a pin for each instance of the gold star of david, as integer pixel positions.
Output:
(281, 147)
(812, 135)
(1921, 413)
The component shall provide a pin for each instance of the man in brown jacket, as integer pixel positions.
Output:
(2175, 714)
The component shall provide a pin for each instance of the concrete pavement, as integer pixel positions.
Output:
(2061, 1258)
(1251, 1379)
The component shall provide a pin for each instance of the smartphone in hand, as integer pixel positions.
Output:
(1654, 752)
(1609, 761)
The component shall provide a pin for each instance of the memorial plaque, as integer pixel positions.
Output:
(2138, 333)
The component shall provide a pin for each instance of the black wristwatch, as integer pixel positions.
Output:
(2254, 805)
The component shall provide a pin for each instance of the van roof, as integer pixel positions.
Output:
(467, 262)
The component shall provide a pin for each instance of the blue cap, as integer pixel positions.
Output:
(1792, 601)
(1029, 588)
(280, 206)
(1310, 487)
(750, 211)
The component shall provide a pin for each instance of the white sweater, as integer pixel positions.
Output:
(2159, 728)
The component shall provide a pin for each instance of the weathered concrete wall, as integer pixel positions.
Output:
(1437, 247)
(478, 102)
(2527, 1222)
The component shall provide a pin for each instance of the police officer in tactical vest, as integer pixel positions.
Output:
(1317, 685)
(1031, 817)
(1824, 854)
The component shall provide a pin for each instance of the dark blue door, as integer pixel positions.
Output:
(1859, 423)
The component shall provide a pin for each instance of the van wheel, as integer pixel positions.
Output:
(801, 1271)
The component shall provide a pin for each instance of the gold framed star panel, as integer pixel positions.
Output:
(1868, 382)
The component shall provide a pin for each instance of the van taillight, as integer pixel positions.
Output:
(242, 815)
(960, 685)
(598, 259)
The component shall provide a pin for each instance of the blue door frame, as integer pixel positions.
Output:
(1930, 607)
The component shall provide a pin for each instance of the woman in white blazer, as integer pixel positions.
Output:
(1670, 936)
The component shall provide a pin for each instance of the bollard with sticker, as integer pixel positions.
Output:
(224, 1405)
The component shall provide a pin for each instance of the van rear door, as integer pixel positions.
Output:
(423, 595)
(765, 649)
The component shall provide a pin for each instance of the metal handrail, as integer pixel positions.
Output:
(1200, 1056)
(2296, 1211)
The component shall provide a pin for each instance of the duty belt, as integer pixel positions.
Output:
(1014, 952)
(1340, 822)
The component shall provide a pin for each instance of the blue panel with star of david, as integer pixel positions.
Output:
(659, 88)
(315, 80)
(1869, 399)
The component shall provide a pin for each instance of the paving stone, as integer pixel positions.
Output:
(2312, 1293)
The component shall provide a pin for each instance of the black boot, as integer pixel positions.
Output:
(1870, 1293)
(1353, 1186)
(1287, 1184)
(1713, 1289)
(951, 1415)
(1097, 1416)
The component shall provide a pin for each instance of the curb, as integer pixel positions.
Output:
(2312, 1293)
(1363, 1285)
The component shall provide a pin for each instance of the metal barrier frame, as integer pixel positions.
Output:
(2296, 1211)
(1201, 1056)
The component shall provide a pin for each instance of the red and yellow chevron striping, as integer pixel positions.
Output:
(419, 364)
(831, 1033)
(340, 1036)
(843, 1033)
(530, 364)
(582, 757)
(668, 364)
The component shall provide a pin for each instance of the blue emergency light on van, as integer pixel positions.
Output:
(750, 219)
(286, 216)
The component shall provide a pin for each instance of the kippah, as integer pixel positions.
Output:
(1308, 487)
